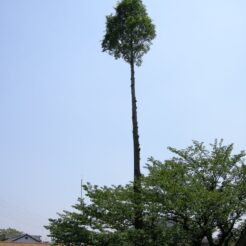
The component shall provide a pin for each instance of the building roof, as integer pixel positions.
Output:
(34, 237)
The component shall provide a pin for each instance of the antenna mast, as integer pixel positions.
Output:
(81, 190)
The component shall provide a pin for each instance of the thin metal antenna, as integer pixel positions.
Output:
(81, 189)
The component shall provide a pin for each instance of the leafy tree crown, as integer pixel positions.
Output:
(129, 32)
(8, 233)
(198, 194)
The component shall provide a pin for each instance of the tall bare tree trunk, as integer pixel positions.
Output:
(138, 223)
(136, 146)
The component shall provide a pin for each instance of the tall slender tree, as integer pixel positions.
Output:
(129, 34)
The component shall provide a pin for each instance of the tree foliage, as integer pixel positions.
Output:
(197, 195)
(129, 32)
(69, 228)
(201, 191)
(8, 233)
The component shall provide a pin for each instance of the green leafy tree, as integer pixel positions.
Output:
(108, 219)
(70, 228)
(201, 192)
(197, 195)
(8, 233)
(128, 35)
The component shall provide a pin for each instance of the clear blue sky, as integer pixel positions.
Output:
(65, 106)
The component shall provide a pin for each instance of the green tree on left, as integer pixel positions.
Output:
(8, 233)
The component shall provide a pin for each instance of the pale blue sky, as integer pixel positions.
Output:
(65, 106)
